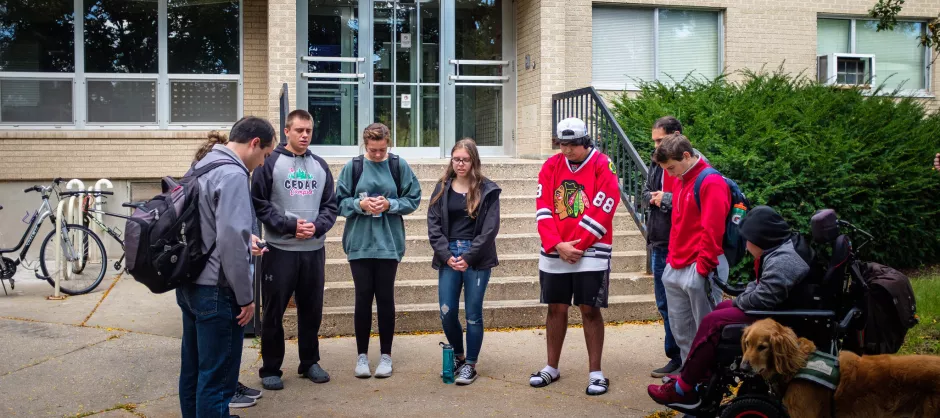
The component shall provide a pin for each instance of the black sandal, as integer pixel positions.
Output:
(605, 383)
(546, 377)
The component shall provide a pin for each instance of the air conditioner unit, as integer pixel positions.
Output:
(846, 70)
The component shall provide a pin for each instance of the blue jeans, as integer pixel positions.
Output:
(211, 350)
(449, 284)
(659, 264)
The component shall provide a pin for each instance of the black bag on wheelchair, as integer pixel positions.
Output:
(890, 310)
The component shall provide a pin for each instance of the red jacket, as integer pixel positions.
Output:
(696, 235)
(577, 204)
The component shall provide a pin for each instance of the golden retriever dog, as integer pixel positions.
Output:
(869, 386)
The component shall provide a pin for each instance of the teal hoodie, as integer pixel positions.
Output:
(381, 237)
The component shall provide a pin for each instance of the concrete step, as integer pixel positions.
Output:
(339, 294)
(528, 243)
(515, 223)
(507, 204)
(509, 186)
(496, 314)
(496, 168)
(419, 268)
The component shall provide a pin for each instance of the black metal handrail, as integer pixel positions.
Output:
(284, 111)
(610, 139)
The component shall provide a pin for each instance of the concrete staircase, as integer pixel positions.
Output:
(512, 297)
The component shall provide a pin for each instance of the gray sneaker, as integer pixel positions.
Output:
(241, 401)
(385, 367)
(316, 374)
(670, 368)
(272, 383)
(247, 391)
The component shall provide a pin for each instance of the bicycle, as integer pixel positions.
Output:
(88, 217)
(80, 249)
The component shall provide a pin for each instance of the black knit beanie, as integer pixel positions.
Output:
(765, 228)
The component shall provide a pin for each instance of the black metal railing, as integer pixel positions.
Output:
(609, 138)
(284, 111)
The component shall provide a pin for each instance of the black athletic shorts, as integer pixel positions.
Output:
(583, 288)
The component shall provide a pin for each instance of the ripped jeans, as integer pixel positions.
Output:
(474, 282)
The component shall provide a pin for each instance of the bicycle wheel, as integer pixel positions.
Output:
(79, 246)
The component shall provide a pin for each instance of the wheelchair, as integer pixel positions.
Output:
(825, 308)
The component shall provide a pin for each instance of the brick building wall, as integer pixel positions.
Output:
(757, 33)
(134, 154)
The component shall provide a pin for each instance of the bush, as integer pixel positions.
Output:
(799, 146)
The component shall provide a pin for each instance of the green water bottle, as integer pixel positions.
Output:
(447, 368)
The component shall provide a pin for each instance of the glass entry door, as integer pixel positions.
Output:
(406, 72)
(431, 70)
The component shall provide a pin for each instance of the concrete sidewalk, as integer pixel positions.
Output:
(124, 361)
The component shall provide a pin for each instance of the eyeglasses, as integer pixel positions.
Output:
(460, 161)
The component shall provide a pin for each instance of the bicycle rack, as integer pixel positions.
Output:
(73, 216)
(59, 212)
(99, 204)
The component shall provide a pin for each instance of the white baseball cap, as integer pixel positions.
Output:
(571, 128)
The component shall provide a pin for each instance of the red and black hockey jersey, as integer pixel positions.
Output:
(576, 204)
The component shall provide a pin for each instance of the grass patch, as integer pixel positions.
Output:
(924, 338)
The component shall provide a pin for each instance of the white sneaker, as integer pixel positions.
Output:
(362, 367)
(385, 367)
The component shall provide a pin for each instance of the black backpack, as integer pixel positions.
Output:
(394, 166)
(890, 311)
(733, 244)
(163, 240)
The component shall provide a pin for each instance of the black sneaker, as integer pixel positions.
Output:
(458, 363)
(241, 401)
(670, 368)
(466, 375)
(247, 391)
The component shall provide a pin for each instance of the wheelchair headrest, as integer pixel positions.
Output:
(825, 226)
(841, 250)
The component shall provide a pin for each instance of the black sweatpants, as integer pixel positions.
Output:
(374, 279)
(285, 273)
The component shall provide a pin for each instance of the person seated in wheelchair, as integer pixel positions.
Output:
(780, 264)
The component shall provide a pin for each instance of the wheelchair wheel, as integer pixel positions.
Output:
(753, 408)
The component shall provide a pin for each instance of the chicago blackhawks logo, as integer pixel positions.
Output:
(570, 201)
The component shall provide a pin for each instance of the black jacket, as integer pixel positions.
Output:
(660, 220)
(482, 254)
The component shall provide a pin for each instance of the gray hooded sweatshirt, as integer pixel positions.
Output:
(289, 187)
(226, 220)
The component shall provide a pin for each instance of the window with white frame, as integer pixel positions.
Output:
(98, 63)
(646, 44)
(901, 62)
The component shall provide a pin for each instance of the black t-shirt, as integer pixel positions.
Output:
(461, 226)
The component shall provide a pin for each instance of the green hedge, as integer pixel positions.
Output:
(798, 146)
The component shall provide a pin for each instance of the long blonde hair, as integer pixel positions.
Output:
(475, 174)
(214, 137)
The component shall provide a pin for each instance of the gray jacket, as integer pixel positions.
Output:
(781, 269)
(227, 218)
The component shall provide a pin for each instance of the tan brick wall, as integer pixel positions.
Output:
(282, 53)
(758, 33)
(530, 130)
(255, 47)
(44, 155)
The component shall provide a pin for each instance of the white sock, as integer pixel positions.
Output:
(596, 389)
(551, 371)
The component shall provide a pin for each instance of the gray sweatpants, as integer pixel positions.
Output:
(690, 297)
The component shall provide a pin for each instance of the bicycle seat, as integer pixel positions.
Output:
(133, 205)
